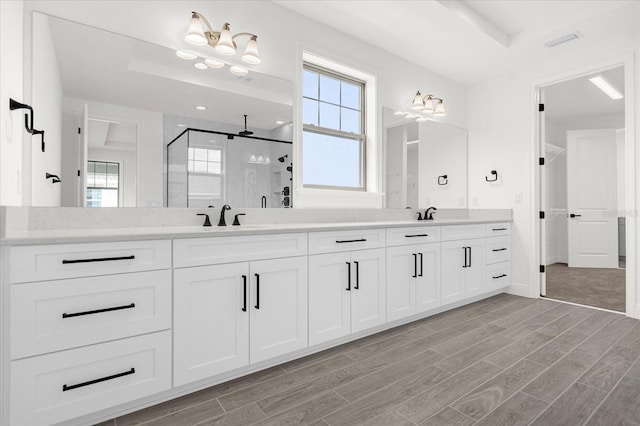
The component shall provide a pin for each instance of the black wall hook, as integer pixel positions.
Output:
(54, 178)
(443, 180)
(41, 133)
(494, 173)
(28, 118)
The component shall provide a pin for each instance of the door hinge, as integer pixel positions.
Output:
(541, 161)
(78, 172)
(540, 107)
(79, 131)
(542, 269)
(541, 215)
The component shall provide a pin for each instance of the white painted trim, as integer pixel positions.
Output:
(523, 290)
(585, 306)
(631, 160)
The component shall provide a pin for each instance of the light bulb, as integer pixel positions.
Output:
(183, 54)
(213, 63)
(239, 71)
(251, 55)
(225, 45)
(195, 35)
(428, 105)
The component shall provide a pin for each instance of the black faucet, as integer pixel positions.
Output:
(428, 215)
(236, 221)
(264, 201)
(419, 215)
(222, 222)
(207, 222)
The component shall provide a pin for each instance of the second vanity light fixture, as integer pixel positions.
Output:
(201, 33)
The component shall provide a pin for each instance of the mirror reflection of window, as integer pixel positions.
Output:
(205, 174)
(103, 184)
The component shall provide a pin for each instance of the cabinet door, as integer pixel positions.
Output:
(329, 297)
(278, 307)
(402, 270)
(453, 262)
(428, 280)
(368, 295)
(210, 329)
(475, 273)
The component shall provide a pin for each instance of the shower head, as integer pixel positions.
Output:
(281, 159)
(245, 132)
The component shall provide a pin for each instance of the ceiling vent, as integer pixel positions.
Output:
(563, 39)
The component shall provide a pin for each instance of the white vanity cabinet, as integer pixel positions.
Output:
(463, 262)
(498, 253)
(230, 315)
(413, 271)
(346, 288)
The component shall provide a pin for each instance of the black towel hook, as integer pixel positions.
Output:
(28, 118)
(54, 178)
(494, 173)
(443, 180)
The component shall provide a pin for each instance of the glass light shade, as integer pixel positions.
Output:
(213, 63)
(195, 35)
(421, 119)
(239, 71)
(225, 44)
(417, 101)
(440, 109)
(183, 54)
(428, 105)
(399, 113)
(200, 65)
(251, 55)
(410, 116)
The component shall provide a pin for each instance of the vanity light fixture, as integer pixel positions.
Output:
(201, 33)
(239, 71)
(426, 104)
(214, 63)
(183, 54)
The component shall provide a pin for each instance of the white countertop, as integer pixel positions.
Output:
(66, 236)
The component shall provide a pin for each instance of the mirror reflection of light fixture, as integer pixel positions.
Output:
(426, 104)
(200, 33)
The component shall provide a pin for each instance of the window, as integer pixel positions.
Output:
(205, 175)
(103, 184)
(333, 134)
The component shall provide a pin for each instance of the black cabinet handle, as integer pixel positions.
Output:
(575, 215)
(415, 266)
(348, 276)
(244, 284)
(416, 235)
(469, 265)
(500, 249)
(465, 257)
(421, 265)
(257, 291)
(98, 311)
(357, 287)
(499, 229)
(100, 259)
(500, 276)
(351, 241)
(93, 382)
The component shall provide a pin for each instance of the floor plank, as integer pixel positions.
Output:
(573, 407)
(621, 407)
(308, 412)
(448, 417)
(518, 410)
(519, 349)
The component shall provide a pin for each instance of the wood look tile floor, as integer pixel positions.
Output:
(505, 360)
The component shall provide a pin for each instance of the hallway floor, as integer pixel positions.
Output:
(602, 288)
(501, 361)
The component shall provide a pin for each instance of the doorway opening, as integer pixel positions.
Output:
(583, 190)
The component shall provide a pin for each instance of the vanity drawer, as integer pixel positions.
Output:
(462, 232)
(55, 315)
(417, 235)
(498, 249)
(347, 240)
(63, 385)
(209, 251)
(496, 229)
(50, 262)
(498, 276)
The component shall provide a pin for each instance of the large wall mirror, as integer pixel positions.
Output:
(426, 163)
(155, 130)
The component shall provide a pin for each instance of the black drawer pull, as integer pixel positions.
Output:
(257, 306)
(466, 259)
(93, 382)
(499, 229)
(100, 259)
(357, 287)
(348, 276)
(244, 284)
(351, 241)
(415, 266)
(98, 311)
(500, 249)
(421, 265)
(500, 276)
(416, 235)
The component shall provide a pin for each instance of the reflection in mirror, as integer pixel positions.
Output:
(131, 96)
(418, 156)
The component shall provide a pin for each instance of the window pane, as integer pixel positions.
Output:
(90, 178)
(310, 112)
(214, 155)
(112, 181)
(200, 154)
(350, 120)
(91, 167)
(213, 168)
(100, 180)
(190, 155)
(112, 169)
(329, 89)
(351, 95)
(100, 168)
(200, 166)
(109, 198)
(310, 84)
(329, 116)
(330, 160)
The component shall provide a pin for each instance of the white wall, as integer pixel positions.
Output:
(11, 122)
(47, 106)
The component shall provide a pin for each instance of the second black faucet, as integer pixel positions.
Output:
(224, 208)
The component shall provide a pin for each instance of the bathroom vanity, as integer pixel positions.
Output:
(97, 326)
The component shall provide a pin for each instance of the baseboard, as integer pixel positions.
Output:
(551, 260)
(523, 290)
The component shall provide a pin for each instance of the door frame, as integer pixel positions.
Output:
(537, 177)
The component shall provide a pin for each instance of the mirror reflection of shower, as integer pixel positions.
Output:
(286, 191)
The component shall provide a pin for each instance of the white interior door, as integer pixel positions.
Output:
(592, 198)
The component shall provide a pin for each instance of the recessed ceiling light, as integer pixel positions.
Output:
(200, 65)
(239, 71)
(214, 63)
(606, 87)
(563, 39)
(201, 107)
(279, 122)
(183, 54)
(182, 125)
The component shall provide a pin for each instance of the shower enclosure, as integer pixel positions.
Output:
(209, 168)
